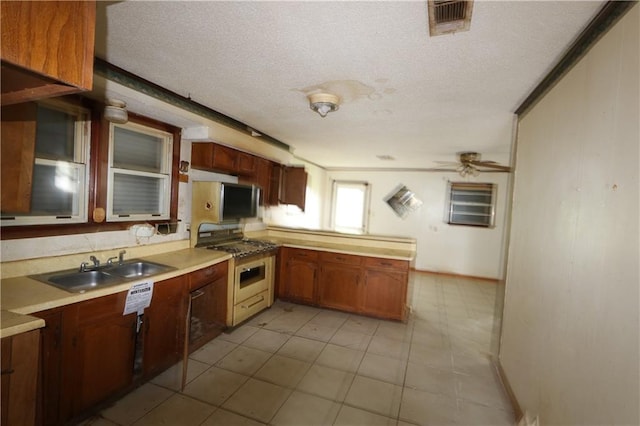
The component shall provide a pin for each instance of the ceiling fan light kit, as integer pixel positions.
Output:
(323, 103)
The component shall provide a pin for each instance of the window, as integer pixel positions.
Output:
(58, 161)
(350, 206)
(471, 204)
(139, 186)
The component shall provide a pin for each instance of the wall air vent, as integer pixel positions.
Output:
(449, 16)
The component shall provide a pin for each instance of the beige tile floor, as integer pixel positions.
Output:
(301, 366)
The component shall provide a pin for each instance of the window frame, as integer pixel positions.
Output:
(365, 207)
(164, 174)
(81, 162)
(97, 173)
(480, 189)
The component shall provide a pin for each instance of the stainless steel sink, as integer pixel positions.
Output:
(138, 269)
(80, 281)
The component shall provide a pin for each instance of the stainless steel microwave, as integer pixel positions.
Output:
(221, 202)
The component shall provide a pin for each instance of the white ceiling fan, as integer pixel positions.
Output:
(469, 163)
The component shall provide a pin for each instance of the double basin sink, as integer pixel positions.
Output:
(80, 281)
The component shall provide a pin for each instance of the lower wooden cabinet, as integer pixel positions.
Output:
(299, 270)
(350, 283)
(100, 350)
(340, 287)
(19, 378)
(164, 331)
(88, 349)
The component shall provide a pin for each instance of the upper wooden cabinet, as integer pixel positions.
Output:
(294, 186)
(47, 48)
(17, 154)
(280, 184)
(213, 157)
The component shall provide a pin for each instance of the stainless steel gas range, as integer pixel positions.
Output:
(251, 271)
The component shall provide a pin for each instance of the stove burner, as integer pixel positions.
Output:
(244, 248)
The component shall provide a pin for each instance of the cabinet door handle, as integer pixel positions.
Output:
(196, 294)
(386, 263)
(8, 371)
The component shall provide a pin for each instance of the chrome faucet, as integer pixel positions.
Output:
(84, 266)
(96, 262)
(121, 257)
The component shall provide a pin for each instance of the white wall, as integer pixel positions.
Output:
(571, 325)
(441, 247)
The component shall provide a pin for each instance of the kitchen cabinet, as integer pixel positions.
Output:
(88, 351)
(47, 48)
(208, 313)
(299, 275)
(385, 288)
(164, 326)
(263, 179)
(51, 392)
(19, 378)
(17, 153)
(101, 349)
(246, 165)
(340, 281)
(351, 283)
(294, 186)
(274, 184)
(213, 157)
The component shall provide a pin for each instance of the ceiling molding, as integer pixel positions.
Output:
(139, 84)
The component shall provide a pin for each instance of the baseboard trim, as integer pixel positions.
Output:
(517, 410)
(452, 274)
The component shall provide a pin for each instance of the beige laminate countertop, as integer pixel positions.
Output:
(21, 296)
(387, 253)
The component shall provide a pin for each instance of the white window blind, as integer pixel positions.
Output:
(471, 204)
(139, 173)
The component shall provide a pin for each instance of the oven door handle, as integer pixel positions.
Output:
(254, 303)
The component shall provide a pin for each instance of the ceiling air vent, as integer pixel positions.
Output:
(449, 16)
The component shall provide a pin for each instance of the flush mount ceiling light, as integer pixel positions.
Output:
(323, 103)
(116, 111)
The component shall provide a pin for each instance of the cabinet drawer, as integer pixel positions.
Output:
(381, 263)
(101, 308)
(347, 259)
(207, 275)
(301, 254)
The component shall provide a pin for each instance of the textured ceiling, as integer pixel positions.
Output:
(416, 98)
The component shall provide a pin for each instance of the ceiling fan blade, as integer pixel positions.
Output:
(491, 164)
(448, 163)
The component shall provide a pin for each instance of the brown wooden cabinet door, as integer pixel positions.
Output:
(294, 186)
(202, 155)
(17, 156)
(51, 392)
(274, 185)
(263, 179)
(20, 378)
(339, 287)
(208, 299)
(246, 164)
(300, 281)
(384, 293)
(49, 45)
(164, 325)
(225, 159)
(100, 353)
